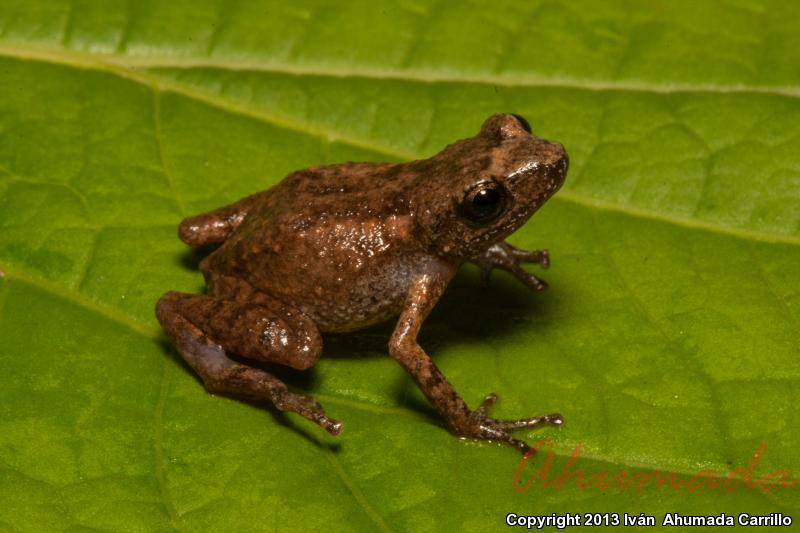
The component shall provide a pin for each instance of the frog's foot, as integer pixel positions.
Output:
(480, 426)
(509, 258)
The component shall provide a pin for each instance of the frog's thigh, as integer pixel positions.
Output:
(267, 331)
(207, 355)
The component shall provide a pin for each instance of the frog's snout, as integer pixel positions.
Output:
(558, 162)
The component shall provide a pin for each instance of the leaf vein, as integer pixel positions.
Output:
(88, 263)
(713, 400)
(160, 461)
(132, 63)
(81, 300)
(159, 83)
(356, 491)
(159, 137)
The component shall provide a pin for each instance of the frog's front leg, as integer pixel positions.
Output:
(205, 329)
(423, 295)
(507, 257)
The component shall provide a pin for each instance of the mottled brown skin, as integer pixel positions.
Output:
(338, 248)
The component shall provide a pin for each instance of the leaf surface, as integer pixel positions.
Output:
(668, 338)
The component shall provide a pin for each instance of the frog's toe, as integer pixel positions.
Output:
(487, 431)
(532, 282)
(334, 427)
(483, 408)
(481, 426)
(553, 419)
(540, 257)
(308, 407)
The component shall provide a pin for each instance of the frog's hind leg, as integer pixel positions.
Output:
(204, 329)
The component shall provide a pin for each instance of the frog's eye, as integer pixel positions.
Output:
(483, 202)
(522, 122)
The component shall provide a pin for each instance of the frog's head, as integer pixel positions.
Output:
(479, 190)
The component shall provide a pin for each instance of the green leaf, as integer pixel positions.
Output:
(668, 339)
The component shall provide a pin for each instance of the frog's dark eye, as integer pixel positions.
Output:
(522, 122)
(484, 202)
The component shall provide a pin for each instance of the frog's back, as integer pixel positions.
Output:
(335, 242)
(339, 180)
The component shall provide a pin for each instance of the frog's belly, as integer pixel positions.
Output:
(353, 311)
(342, 295)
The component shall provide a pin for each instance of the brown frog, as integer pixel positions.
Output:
(341, 247)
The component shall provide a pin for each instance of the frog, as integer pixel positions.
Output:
(337, 248)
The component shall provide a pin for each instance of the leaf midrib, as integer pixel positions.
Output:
(113, 65)
(135, 62)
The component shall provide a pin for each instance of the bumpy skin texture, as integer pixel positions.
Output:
(338, 248)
